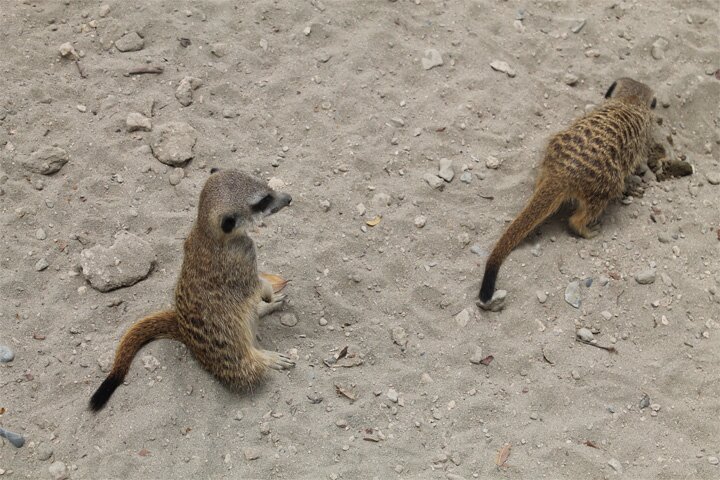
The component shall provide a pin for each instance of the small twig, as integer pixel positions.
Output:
(79, 68)
(609, 349)
(146, 69)
(617, 299)
(486, 197)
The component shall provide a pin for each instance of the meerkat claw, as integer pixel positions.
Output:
(276, 303)
(279, 361)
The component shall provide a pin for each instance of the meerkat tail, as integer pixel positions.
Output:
(544, 202)
(159, 325)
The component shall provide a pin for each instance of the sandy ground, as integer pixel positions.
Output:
(331, 99)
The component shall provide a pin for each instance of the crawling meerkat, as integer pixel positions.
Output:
(588, 163)
(218, 294)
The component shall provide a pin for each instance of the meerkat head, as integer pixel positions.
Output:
(631, 89)
(231, 201)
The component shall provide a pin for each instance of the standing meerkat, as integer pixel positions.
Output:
(588, 163)
(218, 294)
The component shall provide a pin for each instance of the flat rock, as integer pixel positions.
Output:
(129, 260)
(289, 320)
(463, 317)
(616, 465)
(496, 303)
(6, 354)
(251, 453)
(130, 42)
(173, 143)
(477, 356)
(434, 181)
(585, 335)
(492, 163)
(658, 48)
(58, 471)
(504, 67)
(466, 177)
(446, 171)
(137, 121)
(46, 160)
(713, 178)
(16, 439)
(183, 93)
(44, 451)
(646, 277)
(572, 293)
(431, 59)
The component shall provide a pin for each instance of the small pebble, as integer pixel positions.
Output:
(572, 294)
(41, 265)
(504, 67)
(585, 335)
(463, 317)
(325, 205)
(58, 471)
(616, 465)
(130, 42)
(575, 375)
(570, 79)
(251, 453)
(466, 177)
(176, 176)
(446, 171)
(644, 401)
(289, 319)
(6, 354)
(534, 416)
(137, 121)
(658, 48)
(606, 315)
(477, 356)
(645, 277)
(434, 181)
(392, 395)
(420, 221)
(44, 451)
(713, 178)
(322, 322)
(431, 59)
(713, 460)
(40, 234)
(492, 163)
(541, 296)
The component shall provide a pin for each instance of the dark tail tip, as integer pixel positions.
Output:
(488, 284)
(104, 392)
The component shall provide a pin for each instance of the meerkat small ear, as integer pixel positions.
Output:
(654, 103)
(214, 170)
(227, 224)
(611, 90)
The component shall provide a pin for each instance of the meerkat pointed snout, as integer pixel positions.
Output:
(219, 295)
(588, 163)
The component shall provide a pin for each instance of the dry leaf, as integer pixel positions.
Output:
(38, 336)
(546, 357)
(487, 360)
(277, 282)
(2, 410)
(144, 452)
(374, 221)
(502, 455)
(590, 443)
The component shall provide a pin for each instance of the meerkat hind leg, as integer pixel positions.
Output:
(277, 361)
(587, 214)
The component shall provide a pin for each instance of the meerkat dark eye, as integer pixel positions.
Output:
(227, 224)
(654, 103)
(611, 90)
(262, 205)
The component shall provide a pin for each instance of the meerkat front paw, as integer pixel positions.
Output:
(275, 303)
(278, 361)
(267, 290)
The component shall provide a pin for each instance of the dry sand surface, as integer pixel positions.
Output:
(332, 102)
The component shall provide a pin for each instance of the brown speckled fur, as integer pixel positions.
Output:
(588, 163)
(218, 294)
